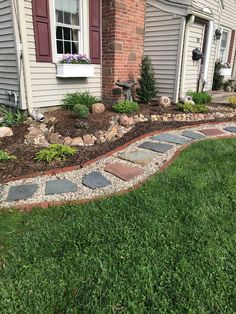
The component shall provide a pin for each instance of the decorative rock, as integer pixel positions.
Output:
(164, 102)
(231, 129)
(98, 108)
(95, 180)
(34, 131)
(193, 135)
(67, 141)
(54, 138)
(21, 192)
(125, 121)
(59, 187)
(77, 141)
(89, 139)
(5, 132)
(123, 171)
(171, 138)
(211, 132)
(156, 147)
(138, 156)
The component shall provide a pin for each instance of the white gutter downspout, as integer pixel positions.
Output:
(26, 65)
(185, 51)
(208, 50)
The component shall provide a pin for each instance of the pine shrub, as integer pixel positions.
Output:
(218, 78)
(147, 83)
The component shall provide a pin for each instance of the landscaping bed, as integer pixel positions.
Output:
(66, 124)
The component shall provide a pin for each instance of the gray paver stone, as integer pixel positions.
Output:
(193, 135)
(21, 192)
(95, 180)
(156, 147)
(60, 187)
(138, 156)
(231, 129)
(171, 139)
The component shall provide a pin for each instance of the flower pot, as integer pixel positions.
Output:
(75, 70)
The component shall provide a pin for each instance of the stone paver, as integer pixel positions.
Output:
(21, 192)
(166, 137)
(138, 156)
(193, 135)
(231, 129)
(122, 171)
(212, 132)
(95, 180)
(156, 147)
(60, 187)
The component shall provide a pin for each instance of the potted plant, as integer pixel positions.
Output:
(75, 65)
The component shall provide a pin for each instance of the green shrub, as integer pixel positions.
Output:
(55, 152)
(218, 78)
(70, 100)
(226, 84)
(147, 83)
(126, 107)
(81, 110)
(12, 116)
(188, 107)
(232, 101)
(4, 156)
(200, 98)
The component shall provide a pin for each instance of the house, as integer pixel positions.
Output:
(114, 34)
(174, 28)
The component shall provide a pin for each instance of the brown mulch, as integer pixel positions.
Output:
(66, 124)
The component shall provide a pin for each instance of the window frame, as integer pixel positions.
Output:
(226, 53)
(80, 28)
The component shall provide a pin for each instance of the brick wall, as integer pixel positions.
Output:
(123, 37)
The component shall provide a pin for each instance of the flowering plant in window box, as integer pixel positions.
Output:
(75, 65)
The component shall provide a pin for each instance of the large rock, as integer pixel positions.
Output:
(164, 102)
(77, 141)
(5, 132)
(126, 121)
(98, 108)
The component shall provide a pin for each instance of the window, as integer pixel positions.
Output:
(224, 46)
(68, 26)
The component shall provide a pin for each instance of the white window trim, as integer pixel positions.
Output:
(229, 31)
(83, 34)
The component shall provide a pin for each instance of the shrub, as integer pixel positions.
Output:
(188, 107)
(226, 84)
(200, 98)
(55, 152)
(4, 156)
(81, 110)
(70, 100)
(232, 101)
(218, 78)
(126, 107)
(147, 83)
(12, 116)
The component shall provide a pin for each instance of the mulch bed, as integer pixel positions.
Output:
(66, 124)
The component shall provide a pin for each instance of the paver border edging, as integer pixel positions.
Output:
(45, 205)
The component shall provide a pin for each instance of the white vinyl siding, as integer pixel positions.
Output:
(8, 56)
(48, 90)
(162, 36)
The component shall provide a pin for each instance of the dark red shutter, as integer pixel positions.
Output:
(231, 46)
(95, 31)
(42, 31)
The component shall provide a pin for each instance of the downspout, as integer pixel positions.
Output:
(208, 49)
(26, 65)
(185, 51)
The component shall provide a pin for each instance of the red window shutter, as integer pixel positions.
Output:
(231, 46)
(42, 30)
(95, 31)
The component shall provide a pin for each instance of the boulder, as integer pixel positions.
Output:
(5, 132)
(98, 108)
(67, 141)
(77, 141)
(164, 102)
(54, 138)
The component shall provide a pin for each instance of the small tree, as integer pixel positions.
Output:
(147, 83)
(218, 78)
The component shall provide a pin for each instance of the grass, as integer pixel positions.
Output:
(168, 247)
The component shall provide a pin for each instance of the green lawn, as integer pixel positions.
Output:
(169, 247)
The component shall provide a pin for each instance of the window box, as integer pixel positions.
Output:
(75, 70)
(226, 71)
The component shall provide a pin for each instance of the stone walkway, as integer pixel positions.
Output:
(121, 171)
